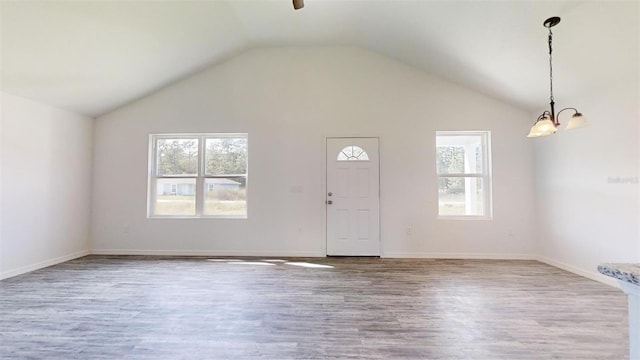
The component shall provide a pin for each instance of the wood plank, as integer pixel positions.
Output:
(140, 307)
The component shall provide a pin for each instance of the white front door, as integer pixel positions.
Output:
(353, 197)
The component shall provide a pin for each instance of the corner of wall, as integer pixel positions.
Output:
(45, 185)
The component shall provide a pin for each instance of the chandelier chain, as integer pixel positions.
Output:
(550, 65)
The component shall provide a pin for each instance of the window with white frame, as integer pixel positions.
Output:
(198, 175)
(463, 164)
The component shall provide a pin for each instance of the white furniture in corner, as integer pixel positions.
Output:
(628, 275)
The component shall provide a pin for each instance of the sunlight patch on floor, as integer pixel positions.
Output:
(224, 260)
(251, 263)
(272, 262)
(309, 265)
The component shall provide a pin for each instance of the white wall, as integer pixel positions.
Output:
(587, 179)
(1, 201)
(587, 182)
(288, 100)
(46, 185)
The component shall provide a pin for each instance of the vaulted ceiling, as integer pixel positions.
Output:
(91, 57)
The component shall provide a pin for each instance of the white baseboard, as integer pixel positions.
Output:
(593, 275)
(479, 256)
(177, 252)
(42, 264)
(283, 253)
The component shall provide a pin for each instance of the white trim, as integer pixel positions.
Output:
(486, 175)
(319, 254)
(325, 170)
(323, 184)
(180, 252)
(464, 217)
(461, 256)
(593, 275)
(199, 178)
(43, 264)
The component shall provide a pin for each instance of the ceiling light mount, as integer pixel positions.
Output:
(298, 4)
(551, 22)
(547, 123)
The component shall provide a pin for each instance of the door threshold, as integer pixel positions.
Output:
(354, 256)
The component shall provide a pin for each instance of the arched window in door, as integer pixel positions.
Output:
(353, 153)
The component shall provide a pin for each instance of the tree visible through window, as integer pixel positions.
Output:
(462, 164)
(198, 175)
(177, 156)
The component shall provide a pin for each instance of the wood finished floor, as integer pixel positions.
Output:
(106, 307)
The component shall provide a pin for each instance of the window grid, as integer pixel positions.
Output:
(353, 153)
(475, 174)
(199, 179)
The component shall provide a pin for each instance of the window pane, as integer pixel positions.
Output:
(198, 174)
(450, 159)
(457, 154)
(226, 156)
(175, 197)
(225, 196)
(460, 196)
(177, 157)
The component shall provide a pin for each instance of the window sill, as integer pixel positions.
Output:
(205, 217)
(463, 217)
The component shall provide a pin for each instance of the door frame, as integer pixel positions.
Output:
(325, 190)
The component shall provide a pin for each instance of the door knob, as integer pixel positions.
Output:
(329, 202)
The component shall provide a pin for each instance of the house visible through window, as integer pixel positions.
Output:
(464, 174)
(198, 175)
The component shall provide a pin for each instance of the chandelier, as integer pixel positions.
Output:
(548, 123)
